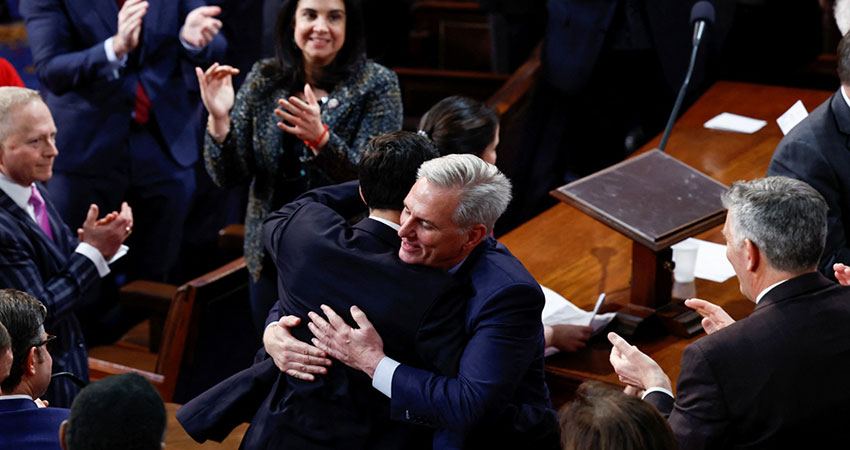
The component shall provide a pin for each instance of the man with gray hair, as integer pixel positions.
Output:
(39, 254)
(499, 398)
(776, 379)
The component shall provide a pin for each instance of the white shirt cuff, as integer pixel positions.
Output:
(109, 48)
(269, 325)
(657, 389)
(97, 258)
(383, 378)
(189, 47)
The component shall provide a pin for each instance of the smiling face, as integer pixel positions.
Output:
(428, 234)
(319, 30)
(27, 153)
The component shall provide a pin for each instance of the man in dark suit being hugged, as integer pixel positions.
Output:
(776, 379)
(38, 253)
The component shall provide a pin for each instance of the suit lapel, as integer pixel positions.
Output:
(842, 114)
(64, 241)
(106, 10)
(34, 233)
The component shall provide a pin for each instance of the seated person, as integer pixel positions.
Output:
(770, 380)
(24, 423)
(601, 417)
(39, 254)
(119, 412)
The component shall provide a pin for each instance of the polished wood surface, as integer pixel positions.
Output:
(177, 439)
(578, 257)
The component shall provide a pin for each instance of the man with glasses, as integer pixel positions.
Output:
(24, 421)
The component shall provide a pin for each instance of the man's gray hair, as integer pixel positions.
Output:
(484, 191)
(785, 218)
(10, 98)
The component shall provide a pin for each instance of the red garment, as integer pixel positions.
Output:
(8, 75)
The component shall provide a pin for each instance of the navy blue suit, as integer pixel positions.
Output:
(322, 260)
(499, 398)
(54, 274)
(817, 151)
(105, 156)
(24, 425)
(776, 379)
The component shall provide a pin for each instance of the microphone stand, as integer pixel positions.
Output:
(683, 89)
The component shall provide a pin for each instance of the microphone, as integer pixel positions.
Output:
(702, 16)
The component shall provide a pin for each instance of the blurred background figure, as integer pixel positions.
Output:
(603, 418)
(122, 411)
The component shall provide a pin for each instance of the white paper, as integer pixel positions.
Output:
(711, 262)
(796, 113)
(560, 311)
(733, 122)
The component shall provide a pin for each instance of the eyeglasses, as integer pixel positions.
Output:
(49, 338)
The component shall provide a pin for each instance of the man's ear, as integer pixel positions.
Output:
(33, 360)
(753, 255)
(360, 190)
(63, 428)
(474, 236)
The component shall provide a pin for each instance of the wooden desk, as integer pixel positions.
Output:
(579, 257)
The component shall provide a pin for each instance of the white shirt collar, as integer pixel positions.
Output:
(386, 222)
(16, 397)
(19, 194)
(768, 289)
(844, 95)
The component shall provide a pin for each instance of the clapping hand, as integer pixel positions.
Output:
(304, 117)
(201, 26)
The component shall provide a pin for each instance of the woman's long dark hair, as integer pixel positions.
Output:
(290, 61)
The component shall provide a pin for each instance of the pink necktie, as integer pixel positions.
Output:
(41, 218)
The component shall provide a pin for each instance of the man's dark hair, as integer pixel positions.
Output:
(122, 411)
(23, 317)
(289, 67)
(388, 167)
(460, 125)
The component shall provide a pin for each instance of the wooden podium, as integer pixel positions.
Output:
(657, 201)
